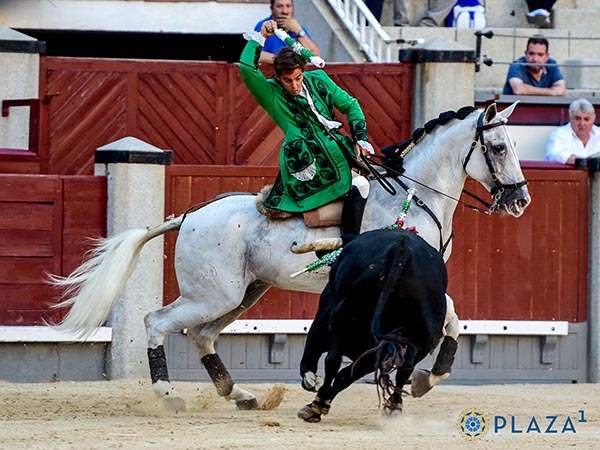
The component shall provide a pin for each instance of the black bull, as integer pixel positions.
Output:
(384, 308)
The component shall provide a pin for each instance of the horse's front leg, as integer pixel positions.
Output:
(424, 380)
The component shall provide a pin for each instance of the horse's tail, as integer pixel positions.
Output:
(93, 288)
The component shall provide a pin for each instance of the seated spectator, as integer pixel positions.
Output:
(580, 138)
(282, 11)
(539, 12)
(535, 73)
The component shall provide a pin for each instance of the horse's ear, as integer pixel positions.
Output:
(508, 111)
(490, 113)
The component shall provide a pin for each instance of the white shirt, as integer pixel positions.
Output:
(563, 143)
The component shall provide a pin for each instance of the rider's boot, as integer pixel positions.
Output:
(352, 211)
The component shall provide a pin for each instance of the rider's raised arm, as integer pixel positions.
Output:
(253, 78)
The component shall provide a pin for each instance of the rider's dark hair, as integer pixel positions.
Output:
(538, 40)
(287, 60)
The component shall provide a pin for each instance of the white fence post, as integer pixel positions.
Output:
(135, 174)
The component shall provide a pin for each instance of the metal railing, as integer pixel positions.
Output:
(371, 38)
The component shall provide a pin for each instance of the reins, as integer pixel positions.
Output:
(395, 174)
(497, 193)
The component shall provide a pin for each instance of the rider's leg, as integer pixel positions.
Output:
(354, 205)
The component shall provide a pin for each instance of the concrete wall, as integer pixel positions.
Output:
(18, 80)
(480, 359)
(118, 15)
(508, 44)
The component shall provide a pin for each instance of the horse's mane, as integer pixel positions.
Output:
(394, 154)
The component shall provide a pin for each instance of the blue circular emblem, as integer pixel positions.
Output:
(472, 424)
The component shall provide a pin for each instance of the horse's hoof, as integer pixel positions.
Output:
(174, 403)
(247, 405)
(308, 415)
(419, 385)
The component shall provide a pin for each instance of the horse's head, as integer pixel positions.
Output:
(496, 165)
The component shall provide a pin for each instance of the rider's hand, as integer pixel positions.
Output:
(364, 148)
(268, 28)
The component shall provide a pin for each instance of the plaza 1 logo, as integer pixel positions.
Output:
(473, 424)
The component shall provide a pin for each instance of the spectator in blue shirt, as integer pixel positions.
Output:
(282, 11)
(530, 74)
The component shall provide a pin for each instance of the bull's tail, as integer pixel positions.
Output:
(398, 264)
(93, 288)
(391, 347)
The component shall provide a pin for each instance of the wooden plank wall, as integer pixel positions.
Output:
(191, 185)
(200, 110)
(44, 224)
(530, 268)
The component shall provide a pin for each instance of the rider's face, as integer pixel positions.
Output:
(292, 81)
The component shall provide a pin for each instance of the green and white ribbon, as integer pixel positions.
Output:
(298, 48)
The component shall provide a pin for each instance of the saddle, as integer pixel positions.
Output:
(328, 215)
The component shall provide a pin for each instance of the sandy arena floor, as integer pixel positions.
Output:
(126, 414)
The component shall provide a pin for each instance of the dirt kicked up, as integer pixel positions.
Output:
(125, 414)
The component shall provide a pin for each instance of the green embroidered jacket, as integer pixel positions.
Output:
(314, 164)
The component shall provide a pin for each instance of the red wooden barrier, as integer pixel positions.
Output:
(44, 223)
(530, 268)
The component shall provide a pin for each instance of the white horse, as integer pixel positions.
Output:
(228, 255)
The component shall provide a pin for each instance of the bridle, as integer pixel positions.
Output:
(500, 191)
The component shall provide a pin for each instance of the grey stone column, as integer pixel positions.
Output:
(444, 77)
(135, 174)
(593, 277)
(20, 62)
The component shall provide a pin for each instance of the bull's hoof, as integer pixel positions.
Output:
(391, 409)
(309, 415)
(419, 386)
(247, 405)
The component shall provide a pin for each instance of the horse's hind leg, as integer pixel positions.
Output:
(204, 336)
(424, 380)
(158, 325)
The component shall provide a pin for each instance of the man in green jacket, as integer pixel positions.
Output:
(316, 160)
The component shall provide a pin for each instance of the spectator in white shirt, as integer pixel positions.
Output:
(580, 138)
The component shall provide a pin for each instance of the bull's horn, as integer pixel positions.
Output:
(321, 244)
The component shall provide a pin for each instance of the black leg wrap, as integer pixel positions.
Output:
(218, 374)
(445, 358)
(352, 211)
(158, 364)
